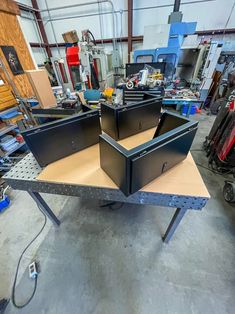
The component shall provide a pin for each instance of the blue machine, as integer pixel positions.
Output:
(171, 53)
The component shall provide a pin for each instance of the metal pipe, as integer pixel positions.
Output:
(216, 32)
(41, 26)
(130, 27)
(25, 17)
(110, 12)
(76, 16)
(176, 6)
(82, 4)
(74, 5)
(140, 38)
(100, 21)
(38, 33)
(26, 8)
(121, 35)
(53, 30)
(114, 29)
(229, 17)
(171, 5)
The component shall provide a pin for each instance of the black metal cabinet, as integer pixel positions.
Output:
(52, 141)
(132, 169)
(123, 121)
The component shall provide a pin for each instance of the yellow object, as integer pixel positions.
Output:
(14, 119)
(156, 76)
(108, 92)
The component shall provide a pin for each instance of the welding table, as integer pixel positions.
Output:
(80, 175)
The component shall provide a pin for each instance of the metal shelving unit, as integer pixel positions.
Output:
(7, 129)
(13, 150)
(9, 110)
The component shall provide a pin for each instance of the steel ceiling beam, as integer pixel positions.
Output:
(130, 27)
(41, 27)
(140, 38)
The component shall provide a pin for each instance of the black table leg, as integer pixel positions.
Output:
(44, 207)
(179, 213)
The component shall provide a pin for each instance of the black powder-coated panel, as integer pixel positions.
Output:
(85, 108)
(133, 169)
(58, 111)
(132, 120)
(109, 120)
(151, 164)
(123, 121)
(56, 140)
(169, 122)
(115, 164)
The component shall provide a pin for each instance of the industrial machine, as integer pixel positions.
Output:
(168, 46)
(208, 69)
(85, 64)
(171, 53)
(198, 62)
(185, 57)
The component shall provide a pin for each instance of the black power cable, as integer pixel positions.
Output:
(18, 265)
(212, 170)
(93, 38)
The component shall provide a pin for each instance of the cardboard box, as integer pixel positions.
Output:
(71, 37)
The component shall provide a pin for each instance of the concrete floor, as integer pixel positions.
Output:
(113, 261)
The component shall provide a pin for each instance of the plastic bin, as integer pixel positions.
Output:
(4, 203)
(32, 102)
(184, 109)
(7, 142)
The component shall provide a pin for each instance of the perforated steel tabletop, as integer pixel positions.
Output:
(23, 176)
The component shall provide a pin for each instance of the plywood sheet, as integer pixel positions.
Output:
(83, 168)
(137, 139)
(11, 35)
(9, 6)
(42, 88)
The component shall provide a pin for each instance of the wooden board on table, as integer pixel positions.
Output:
(42, 88)
(83, 168)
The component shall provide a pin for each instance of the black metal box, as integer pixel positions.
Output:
(132, 169)
(123, 121)
(58, 139)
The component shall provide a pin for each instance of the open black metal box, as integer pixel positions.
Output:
(52, 141)
(123, 121)
(132, 169)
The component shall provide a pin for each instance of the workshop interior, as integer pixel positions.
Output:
(117, 120)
